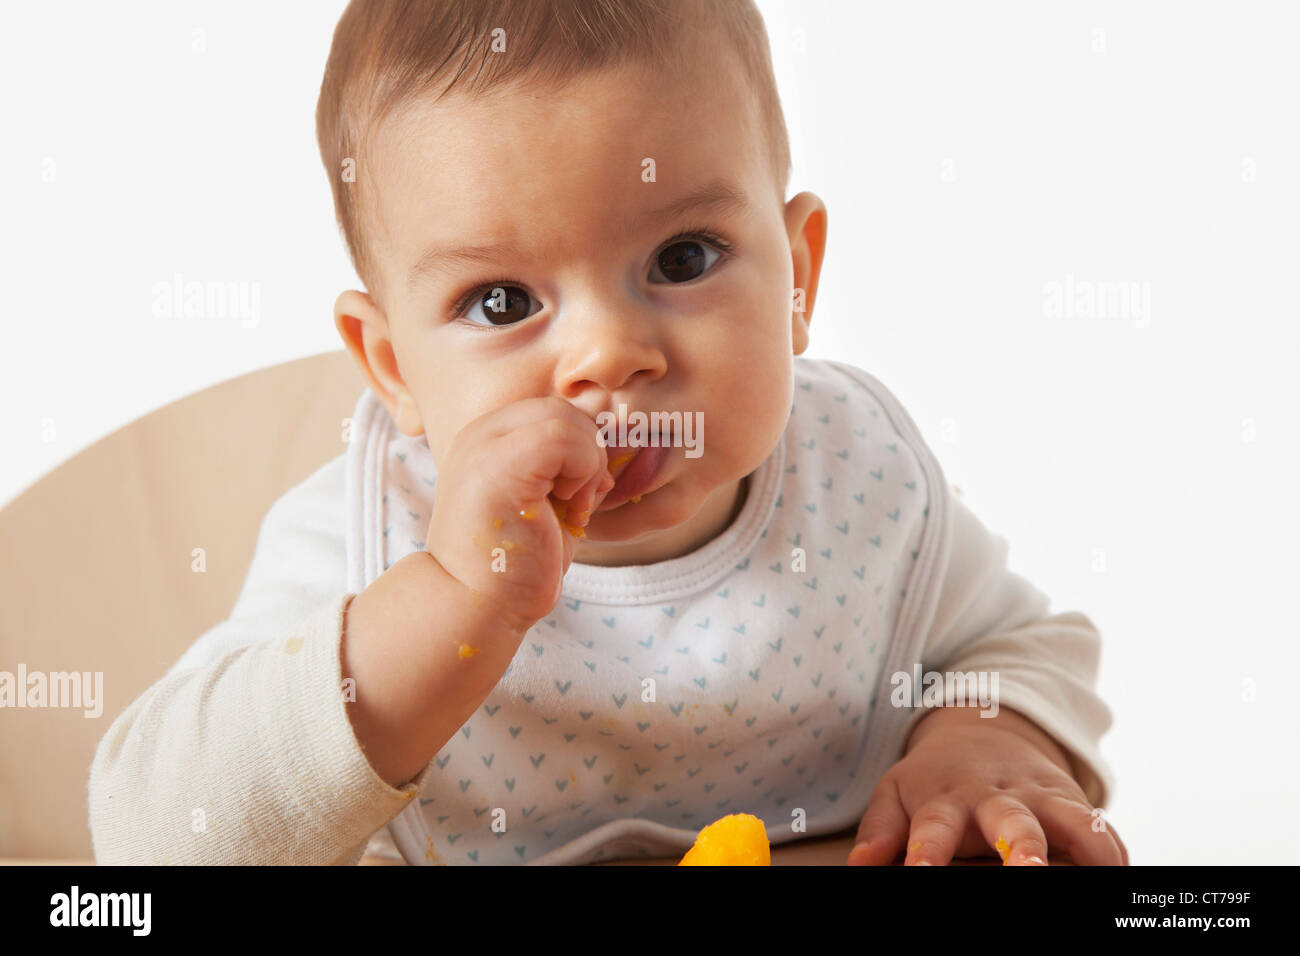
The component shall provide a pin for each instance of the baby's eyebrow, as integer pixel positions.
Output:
(718, 196)
(442, 259)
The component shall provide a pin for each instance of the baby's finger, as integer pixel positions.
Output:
(1012, 830)
(555, 457)
(883, 828)
(584, 499)
(1068, 824)
(572, 489)
(937, 831)
(524, 413)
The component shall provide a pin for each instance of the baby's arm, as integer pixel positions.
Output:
(253, 759)
(246, 760)
(240, 753)
(245, 751)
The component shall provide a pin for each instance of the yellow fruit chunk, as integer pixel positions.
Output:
(738, 839)
(614, 466)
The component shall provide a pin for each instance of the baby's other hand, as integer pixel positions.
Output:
(969, 786)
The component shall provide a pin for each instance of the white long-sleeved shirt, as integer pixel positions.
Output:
(758, 673)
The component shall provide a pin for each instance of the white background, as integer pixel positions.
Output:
(1142, 465)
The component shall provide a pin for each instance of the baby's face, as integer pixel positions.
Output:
(605, 307)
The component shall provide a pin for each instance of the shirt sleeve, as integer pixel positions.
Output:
(990, 619)
(243, 753)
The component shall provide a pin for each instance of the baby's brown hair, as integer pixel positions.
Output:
(387, 51)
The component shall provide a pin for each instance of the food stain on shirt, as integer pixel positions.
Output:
(431, 855)
(293, 645)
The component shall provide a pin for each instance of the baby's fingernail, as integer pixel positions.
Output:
(923, 863)
(1035, 860)
(859, 849)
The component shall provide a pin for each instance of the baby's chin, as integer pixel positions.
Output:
(673, 520)
(641, 519)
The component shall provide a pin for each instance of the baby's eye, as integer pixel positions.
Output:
(502, 305)
(685, 259)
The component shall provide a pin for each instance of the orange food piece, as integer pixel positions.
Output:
(466, 652)
(619, 461)
(738, 839)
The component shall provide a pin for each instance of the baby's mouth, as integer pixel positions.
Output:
(634, 469)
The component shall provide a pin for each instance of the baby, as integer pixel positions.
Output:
(568, 621)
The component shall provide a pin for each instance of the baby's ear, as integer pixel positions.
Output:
(364, 330)
(805, 222)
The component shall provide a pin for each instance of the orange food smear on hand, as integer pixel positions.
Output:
(561, 512)
(1004, 849)
(466, 652)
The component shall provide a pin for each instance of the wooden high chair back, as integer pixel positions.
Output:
(97, 567)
